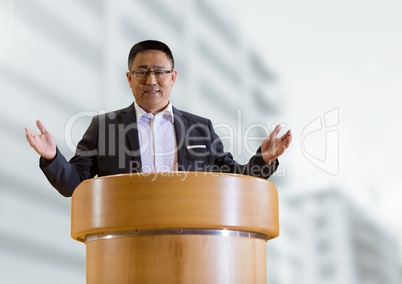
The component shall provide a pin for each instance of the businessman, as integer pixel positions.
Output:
(150, 135)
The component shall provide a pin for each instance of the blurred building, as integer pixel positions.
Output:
(66, 61)
(327, 239)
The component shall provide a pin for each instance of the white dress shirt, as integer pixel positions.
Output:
(157, 139)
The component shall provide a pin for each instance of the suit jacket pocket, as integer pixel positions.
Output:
(199, 150)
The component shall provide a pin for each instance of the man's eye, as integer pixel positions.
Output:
(158, 73)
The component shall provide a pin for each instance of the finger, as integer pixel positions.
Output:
(283, 137)
(41, 127)
(27, 132)
(31, 140)
(276, 131)
(29, 135)
(284, 142)
(286, 139)
(34, 144)
(287, 142)
(290, 137)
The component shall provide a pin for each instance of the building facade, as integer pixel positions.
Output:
(65, 61)
(325, 238)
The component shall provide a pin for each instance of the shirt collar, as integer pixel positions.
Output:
(167, 112)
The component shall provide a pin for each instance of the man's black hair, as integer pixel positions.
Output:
(149, 45)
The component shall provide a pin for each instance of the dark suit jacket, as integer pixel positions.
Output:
(110, 146)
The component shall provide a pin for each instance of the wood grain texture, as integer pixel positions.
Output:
(177, 259)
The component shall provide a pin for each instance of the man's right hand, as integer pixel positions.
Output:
(44, 143)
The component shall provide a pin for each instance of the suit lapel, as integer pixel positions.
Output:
(129, 121)
(180, 126)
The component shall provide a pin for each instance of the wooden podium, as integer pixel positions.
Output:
(177, 227)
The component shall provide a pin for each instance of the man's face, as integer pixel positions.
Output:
(151, 93)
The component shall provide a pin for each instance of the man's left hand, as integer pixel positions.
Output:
(273, 147)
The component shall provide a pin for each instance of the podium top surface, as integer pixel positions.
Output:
(174, 200)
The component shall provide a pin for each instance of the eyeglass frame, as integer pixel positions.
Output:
(149, 72)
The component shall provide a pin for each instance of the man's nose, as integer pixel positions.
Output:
(151, 79)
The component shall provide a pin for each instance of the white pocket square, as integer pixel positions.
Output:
(196, 146)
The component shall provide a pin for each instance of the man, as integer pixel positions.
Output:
(150, 135)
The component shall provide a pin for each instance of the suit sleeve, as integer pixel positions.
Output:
(224, 161)
(66, 176)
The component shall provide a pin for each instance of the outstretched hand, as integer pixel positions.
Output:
(44, 143)
(273, 147)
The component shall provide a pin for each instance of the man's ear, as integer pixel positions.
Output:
(174, 76)
(129, 77)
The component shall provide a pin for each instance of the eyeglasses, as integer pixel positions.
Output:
(159, 74)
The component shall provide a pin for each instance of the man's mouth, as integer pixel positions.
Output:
(151, 92)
